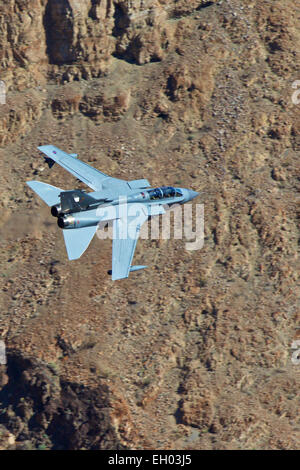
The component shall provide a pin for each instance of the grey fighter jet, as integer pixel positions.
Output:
(128, 204)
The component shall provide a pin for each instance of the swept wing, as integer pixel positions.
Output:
(92, 177)
(126, 231)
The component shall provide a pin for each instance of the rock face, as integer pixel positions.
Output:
(46, 410)
(195, 352)
(38, 36)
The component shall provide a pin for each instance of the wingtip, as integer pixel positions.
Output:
(41, 147)
(32, 184)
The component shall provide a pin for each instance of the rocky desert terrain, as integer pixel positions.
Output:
(194, 352)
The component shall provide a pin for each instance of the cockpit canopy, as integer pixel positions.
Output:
(164, 192)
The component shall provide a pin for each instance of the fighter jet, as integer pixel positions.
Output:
(125, 204)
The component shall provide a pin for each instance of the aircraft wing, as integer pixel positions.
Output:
(92, 177)
(126, 230)
(125, 235)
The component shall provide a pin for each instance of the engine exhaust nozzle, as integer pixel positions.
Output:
(56, 210)
(65, 221)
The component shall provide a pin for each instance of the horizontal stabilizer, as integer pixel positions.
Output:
(77, 240)
(49, 194)
(137, 268)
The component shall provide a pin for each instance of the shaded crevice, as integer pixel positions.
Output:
(181, 13)
(121, 25)
(171, 88)
(121, 20)
(58, 26)
(93, 9)
(204, 5)
(40, 408)
(178, 415)
(94, 14)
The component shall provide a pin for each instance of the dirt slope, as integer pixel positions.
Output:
(194, 352)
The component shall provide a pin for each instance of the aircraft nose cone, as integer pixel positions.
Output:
(192, 194)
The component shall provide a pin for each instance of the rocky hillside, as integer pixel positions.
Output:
(194, 352)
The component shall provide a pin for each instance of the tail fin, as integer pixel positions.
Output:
(49, 194)
(77, 240)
